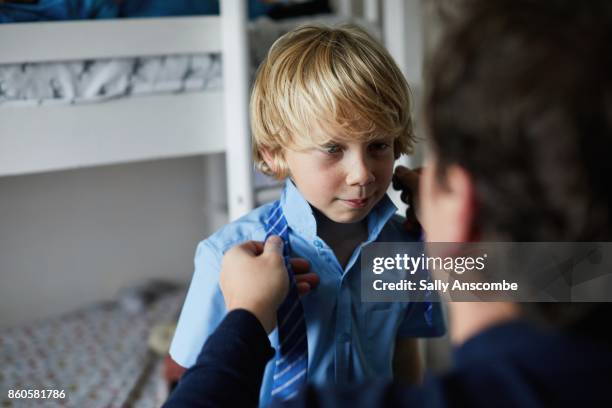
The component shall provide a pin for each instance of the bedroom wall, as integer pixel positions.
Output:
(74, 237)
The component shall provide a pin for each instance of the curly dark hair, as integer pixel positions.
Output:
(520, 95)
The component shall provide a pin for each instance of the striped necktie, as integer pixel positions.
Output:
(291, 362)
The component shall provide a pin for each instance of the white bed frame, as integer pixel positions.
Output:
(41, 139)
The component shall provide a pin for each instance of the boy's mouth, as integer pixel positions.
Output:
(357, 203)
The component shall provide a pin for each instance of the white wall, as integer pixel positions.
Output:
(74, 237)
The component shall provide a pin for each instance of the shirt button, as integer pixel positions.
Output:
(318, 244)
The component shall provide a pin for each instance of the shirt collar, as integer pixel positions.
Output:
(301, 219)
(297, 211)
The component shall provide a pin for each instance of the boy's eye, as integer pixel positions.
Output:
(379, 146)
(332, 148)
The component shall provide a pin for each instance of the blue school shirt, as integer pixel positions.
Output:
(348, 341)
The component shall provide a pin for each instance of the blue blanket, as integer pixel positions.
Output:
(53, 10)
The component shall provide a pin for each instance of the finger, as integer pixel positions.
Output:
(395, 183)
(303, 288)
(299, 265)
(274, 244)
(252, 247)
(311, 278)
(403, 169)
(406, 196)
(399, 174)
(406, 178)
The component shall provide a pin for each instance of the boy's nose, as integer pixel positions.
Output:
(359, 173)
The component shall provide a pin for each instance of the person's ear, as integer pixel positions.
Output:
(448, 203)
(268, 157)
(459, 205)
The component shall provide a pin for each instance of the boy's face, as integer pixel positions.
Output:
(343, 180)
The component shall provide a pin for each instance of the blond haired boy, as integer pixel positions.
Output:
(330, 112)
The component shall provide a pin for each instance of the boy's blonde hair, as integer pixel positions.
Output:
(335, 79)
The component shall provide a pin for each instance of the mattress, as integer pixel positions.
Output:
(99, 356)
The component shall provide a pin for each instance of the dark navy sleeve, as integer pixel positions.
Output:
(373, 394)
(229, 369)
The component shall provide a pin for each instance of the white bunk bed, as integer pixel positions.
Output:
(41, 139)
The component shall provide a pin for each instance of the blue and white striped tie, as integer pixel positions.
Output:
(291, 365)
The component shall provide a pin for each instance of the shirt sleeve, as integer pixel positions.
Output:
(203, 309)
(418, 322)
(229, 370)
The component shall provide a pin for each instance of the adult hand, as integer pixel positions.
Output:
(407, 181)
(254, 278)
(304, 279)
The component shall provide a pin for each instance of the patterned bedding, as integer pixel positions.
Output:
(32, 84)
(75, 82)
(99, 356)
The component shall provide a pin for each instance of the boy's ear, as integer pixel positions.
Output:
(268, 157)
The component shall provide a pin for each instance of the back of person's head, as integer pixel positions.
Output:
(339, 80)
(520, 95)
